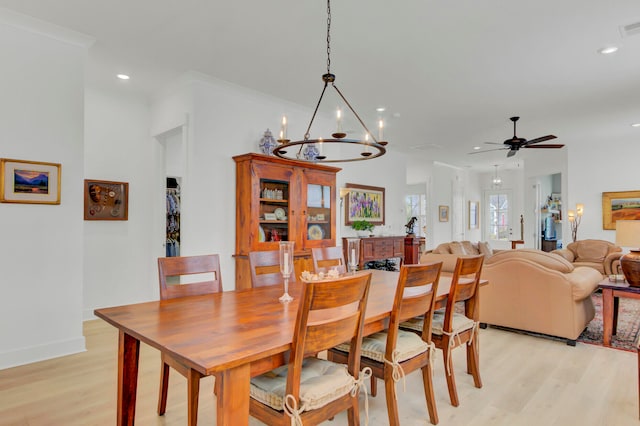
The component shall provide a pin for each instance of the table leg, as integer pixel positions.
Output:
(616, 303)
(233, 396)
(607, 316)
(128, 355)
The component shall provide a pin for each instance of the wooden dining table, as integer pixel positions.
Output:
(233, 335)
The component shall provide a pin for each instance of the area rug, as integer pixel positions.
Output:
(628, 325)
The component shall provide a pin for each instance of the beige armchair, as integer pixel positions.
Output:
(598, 254)
(539, 292)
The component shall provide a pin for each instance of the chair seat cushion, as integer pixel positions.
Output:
(321, 382)
(460, 323)
(408, 345)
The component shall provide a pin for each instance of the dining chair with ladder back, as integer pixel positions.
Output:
(395, 352)
(327, 258)
(265, 268)
(309, 390)
(451, 329)
(206, 270)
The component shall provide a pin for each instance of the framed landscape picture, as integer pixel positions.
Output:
(29, 182)
(106, 200)
(364, 203)
(623, 205)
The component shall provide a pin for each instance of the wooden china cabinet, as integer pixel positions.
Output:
(282, 200)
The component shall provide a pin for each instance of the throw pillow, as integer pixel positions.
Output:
(485, 249)
(469, 248)
(457, 248)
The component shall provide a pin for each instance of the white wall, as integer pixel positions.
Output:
(41, 119)
(119, 260)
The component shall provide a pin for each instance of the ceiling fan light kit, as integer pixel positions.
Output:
(515, 143)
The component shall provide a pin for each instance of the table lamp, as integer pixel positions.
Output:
(628, 235)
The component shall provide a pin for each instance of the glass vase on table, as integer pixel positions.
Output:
(353, 254)
(286, 267)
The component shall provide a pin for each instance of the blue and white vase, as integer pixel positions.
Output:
(310, 152)
(267, 143)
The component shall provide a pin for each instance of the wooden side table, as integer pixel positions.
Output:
(611, 292)
(516, 242)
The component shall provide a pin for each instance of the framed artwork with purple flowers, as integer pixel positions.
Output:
(364, 203)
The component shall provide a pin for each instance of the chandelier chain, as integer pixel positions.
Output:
(328, 36)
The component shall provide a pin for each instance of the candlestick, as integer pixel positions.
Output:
(283, 128)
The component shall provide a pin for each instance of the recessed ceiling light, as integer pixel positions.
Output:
(635, 125)
(123, 77)
(476, 148)
(380, 109)
(608, 50)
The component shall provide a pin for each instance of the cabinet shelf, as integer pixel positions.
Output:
(273, 200)
(274, 222)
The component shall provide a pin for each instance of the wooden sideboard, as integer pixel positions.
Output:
(378, 248)
(413, 246)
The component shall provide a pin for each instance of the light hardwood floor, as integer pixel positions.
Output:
(527, 381)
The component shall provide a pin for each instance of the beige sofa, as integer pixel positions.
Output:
(539, 292)
(448, 253)
(598, 254)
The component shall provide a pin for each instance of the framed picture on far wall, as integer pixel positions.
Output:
(29, 182)
(364, 203)
(622, 205)
(474, 214)
(443, 213)
(106, 200)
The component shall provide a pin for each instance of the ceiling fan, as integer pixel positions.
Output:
(515, 143)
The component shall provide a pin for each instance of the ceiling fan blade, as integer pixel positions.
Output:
(511, 153)
(538, 140)
(487, 150)
(551, 145)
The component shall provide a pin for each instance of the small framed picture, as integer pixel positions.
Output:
(443, 213)
(474, 214)
(106, 200)
(29, 182)
(270, 216)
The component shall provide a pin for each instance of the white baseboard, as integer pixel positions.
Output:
(41, 352)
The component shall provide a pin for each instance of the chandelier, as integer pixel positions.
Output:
(496, 181)
(313, 150)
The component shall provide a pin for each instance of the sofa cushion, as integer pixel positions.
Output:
(548, 260)
(456, 247)
(591, 251)
(442, 248)
(470, 248)
(485, 249)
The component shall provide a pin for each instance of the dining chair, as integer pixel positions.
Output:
(309, 390)
(265, 268)
(451, 329)
(206, 268)
(327, 258)
(395, 352)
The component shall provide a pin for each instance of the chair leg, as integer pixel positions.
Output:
(450, 376)
(353, 413)
(473, 361)
(374, 386)
(164, 386)
(392, 401)
(427, 382)
(193, 391)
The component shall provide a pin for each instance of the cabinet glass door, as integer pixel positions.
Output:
(273, 211)
(318, 212)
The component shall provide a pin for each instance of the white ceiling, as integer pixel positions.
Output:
(450, 73)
